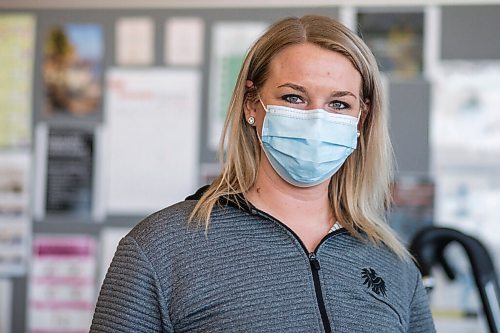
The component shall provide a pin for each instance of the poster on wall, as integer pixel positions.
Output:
(17, 33)
(14, 212)
(62, 284)
(230, 43)
(184, 41)
(134, 41)
(70, 171)
(465, 138)
(468, 200)
(72, 69)
(465, 112)
(396, 40)
(151, 138)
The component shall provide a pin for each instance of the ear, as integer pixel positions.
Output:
(365, 108)
(250, 105)
(367, 104)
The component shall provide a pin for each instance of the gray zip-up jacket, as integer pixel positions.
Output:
(250, 273)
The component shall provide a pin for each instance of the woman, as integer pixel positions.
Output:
(294, 238)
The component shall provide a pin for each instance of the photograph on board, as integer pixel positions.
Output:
(396, 40)
(14, 212)
(72, 69)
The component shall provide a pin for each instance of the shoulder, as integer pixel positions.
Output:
(163, 227)
(165, 218)
(171, 227)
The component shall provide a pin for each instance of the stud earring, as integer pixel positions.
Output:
(251, 120)
(359, 133)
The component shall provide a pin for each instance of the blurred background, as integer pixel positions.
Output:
(111, 110)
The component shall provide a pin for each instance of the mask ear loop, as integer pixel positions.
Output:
(262, 103)
(265, 110)
(358, 133)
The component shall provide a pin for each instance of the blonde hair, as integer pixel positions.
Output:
(360, 190)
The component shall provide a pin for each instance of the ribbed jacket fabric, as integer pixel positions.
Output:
(250, 273)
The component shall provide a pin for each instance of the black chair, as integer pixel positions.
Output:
(428, 247)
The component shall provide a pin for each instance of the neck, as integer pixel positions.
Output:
(290, 204)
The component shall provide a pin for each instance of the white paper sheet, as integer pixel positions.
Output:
(134, 41)
(14, 183)
(184, 41)
(14, 212)
(152, 138)
(62, 284)
(466, 113)
(17, 33)
(230, 43)
(469, 201)
(465, 138)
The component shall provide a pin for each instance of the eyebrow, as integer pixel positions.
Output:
(343, 93)
(303, 90)
(294, 86)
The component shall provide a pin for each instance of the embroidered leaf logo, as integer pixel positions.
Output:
(373, 281)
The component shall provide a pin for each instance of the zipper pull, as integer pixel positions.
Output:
(314, 261)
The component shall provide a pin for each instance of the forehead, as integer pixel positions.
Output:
(314, 67)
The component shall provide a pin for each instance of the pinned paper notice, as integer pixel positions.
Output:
(184, 41)
(134, 41)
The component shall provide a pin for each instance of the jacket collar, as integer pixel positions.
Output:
(234, 200)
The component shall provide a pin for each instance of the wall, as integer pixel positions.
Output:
(449, 33)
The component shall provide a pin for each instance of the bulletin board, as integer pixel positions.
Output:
(128, 55)
(136, 52)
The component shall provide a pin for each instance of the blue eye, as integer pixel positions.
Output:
(338, 105)
(293, 99)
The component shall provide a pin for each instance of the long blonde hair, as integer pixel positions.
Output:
(360, 190)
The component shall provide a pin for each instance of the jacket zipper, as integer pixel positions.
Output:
(315, 266)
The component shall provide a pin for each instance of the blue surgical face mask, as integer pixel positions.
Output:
(307, 147)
